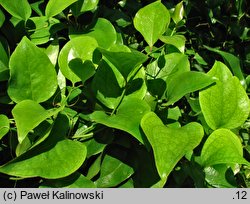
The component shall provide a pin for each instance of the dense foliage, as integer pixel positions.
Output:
(124, 93)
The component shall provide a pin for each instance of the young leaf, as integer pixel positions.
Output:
(185, 83)
(28, 115)
(54, 158)
(225, 104)
(152, 21)
(55, 7)
(4, 125)
(32, 76)
(127, 118)
(113, 172)
(178, 13)
(222, 147)
(169, 144)
(80, 47)
(17, 8)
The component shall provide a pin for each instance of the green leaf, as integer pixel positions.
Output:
(2, 18)
(32, 76)
(176, 40)
(17, 8)
(84, 70)
(178, 12)
(4, 125)
(125, 62)
(113, 172)
(222, 147)
(152, 21)
(225, 104)
(103, 32)
(55, 7)
(169, 144)
(108, 85)
(80, 47)
(41, 30)
(233, 62)
(82, 6)
(52, 52)
(28, 114)
(54, 158)
(175, 63)
(220, 176)
(4, 62)
(94, 169)
(190, 81)
(127, 118)
(137, 87)
(75, 180)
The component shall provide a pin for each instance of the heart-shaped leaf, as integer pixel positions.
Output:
(222, 147)
(80, 47)
(17, 8)
(185, 83)
(32, 75)
(226, 104)
(84, 70)
(127, 118)
(152, 21)
(169, 144)
(54, 158)
(4, 125)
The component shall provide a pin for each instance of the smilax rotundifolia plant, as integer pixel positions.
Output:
(88, 104)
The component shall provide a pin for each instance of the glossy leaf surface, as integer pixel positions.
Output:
(185, 83)
(55, 7)
(113, 172)
(127, 118)
(169, 144)
(4, 125)
(222, 147)
(225, 104)
(56, 157)
(152, 21)
(17, 8)
(82, 48)
(32, 76)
